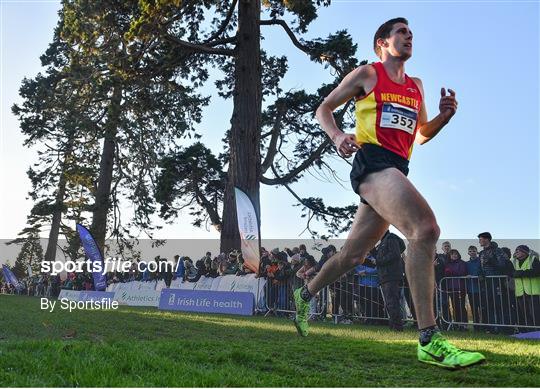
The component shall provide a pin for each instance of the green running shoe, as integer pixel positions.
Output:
(442, 353)
(302, 313)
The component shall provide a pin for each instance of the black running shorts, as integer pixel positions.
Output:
(372, 158)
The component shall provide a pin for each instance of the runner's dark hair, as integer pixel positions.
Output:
(384, 32)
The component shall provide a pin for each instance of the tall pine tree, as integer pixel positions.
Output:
(274, 146)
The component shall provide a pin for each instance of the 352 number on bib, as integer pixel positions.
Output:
(399, 117)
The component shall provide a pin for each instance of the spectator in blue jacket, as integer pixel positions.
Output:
(180, 269)
(370, 299)
(474, 271)
(145, 272)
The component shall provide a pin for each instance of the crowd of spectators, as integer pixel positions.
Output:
(43, 285)
(497, 290)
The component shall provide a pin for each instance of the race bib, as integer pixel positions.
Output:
(399, 117)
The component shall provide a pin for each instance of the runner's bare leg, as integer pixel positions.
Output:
(367, 228)
(395, 199)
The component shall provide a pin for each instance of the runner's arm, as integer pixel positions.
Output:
(427, 130)
(350, 86)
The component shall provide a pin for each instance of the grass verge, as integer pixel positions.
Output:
(147, 347)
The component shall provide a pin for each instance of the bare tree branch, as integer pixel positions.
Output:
(288, 30)
(272, 151)
(282, 180)
(224, 24)
(223, 41)
(272, 147)
(301, 201)
(185, 6)
(198, 48)
(212, 212)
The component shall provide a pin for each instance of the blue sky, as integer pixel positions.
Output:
(481, 172)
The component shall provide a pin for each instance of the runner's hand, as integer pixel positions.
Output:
(346, 144)
(447, 104)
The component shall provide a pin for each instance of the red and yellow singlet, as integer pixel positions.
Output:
(388, 115)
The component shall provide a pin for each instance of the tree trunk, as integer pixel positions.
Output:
(244, 142)
(103, 194)
(50, 254)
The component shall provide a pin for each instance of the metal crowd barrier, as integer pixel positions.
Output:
(367, 304)
(353, 301)
(487, 303)
(279, 298)
(344, 300)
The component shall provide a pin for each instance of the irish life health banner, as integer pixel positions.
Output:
(92, 252)
(248, 225)
(232, 303)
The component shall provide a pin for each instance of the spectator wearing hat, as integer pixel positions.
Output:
(494, 267)
(527, 283)
(275, 255)
(327, 253)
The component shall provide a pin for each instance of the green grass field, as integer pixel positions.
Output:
(147, 347)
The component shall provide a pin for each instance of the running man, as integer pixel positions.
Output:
(390, 116)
